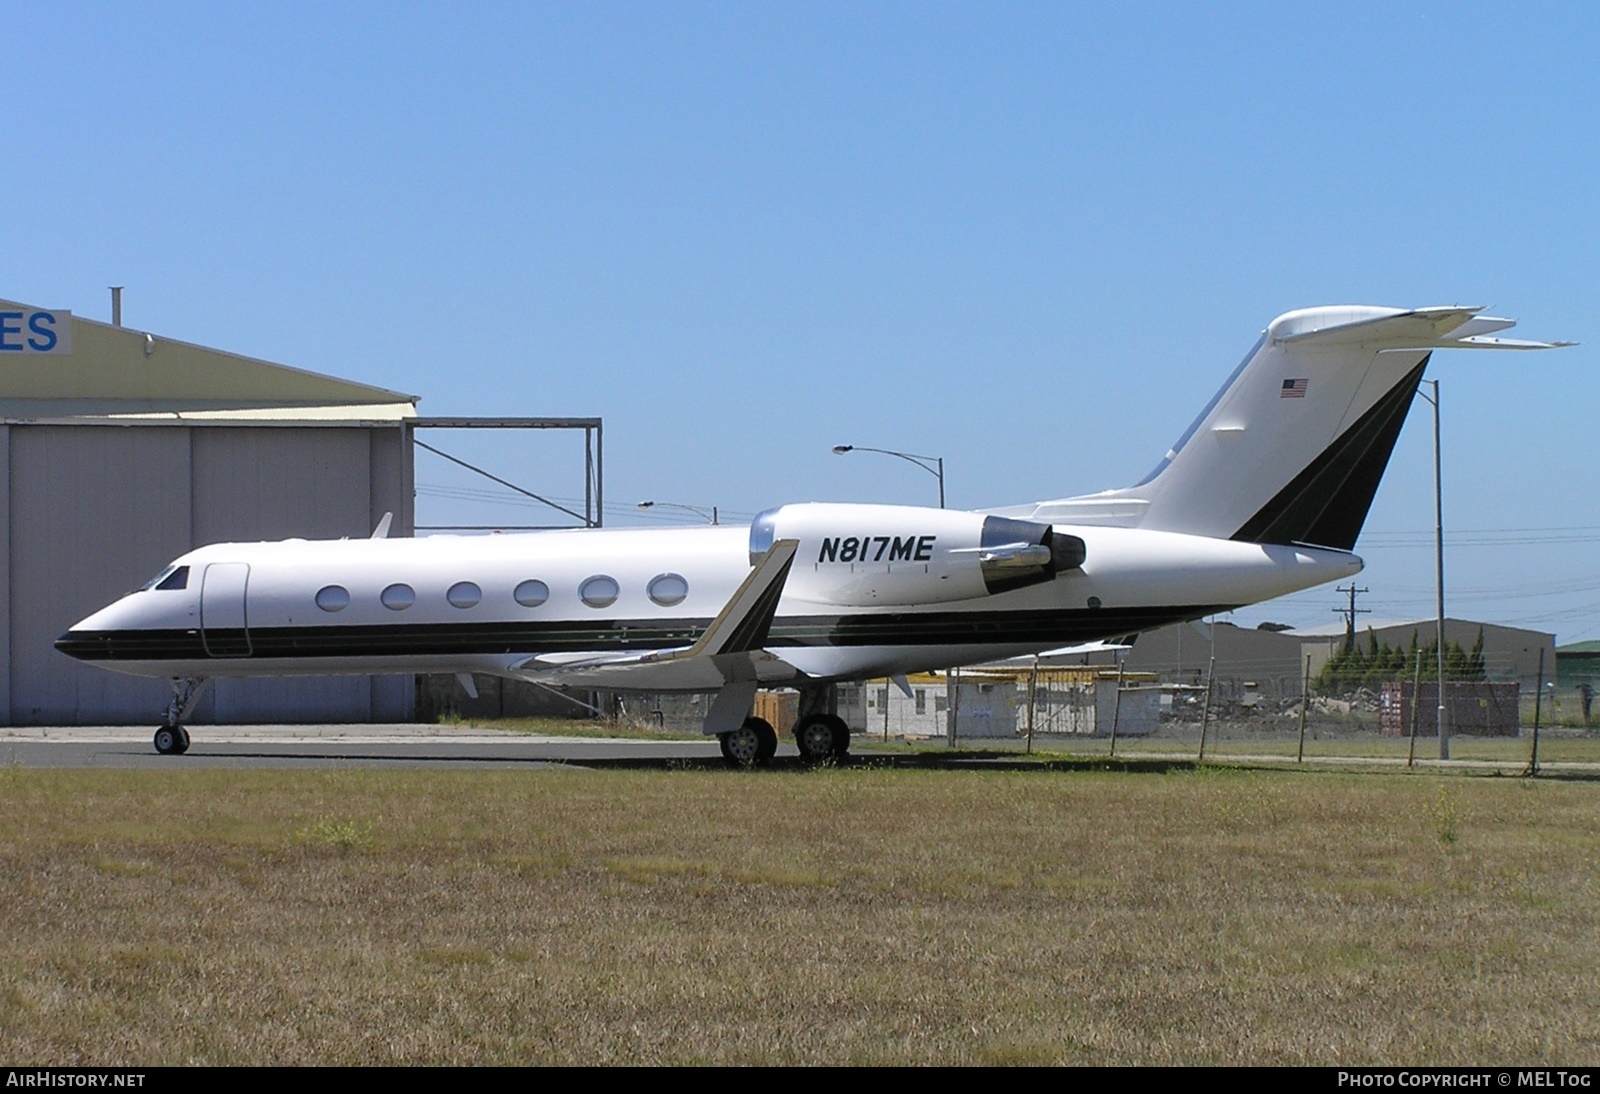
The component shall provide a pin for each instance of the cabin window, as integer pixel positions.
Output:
(667, 589)
(532, 593)
(599, 591)
(333, 598)
(173, 577)
(463, 594)
(397, 598)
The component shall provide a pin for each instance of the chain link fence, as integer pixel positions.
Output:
(1095, 710)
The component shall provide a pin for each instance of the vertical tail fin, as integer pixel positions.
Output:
(1292, 449)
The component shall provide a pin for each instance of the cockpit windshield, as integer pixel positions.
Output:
(173, 577)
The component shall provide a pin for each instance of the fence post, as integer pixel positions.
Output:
(1205, 716)
(1538, 698)
(1116, 708)
(1416, 698)
(1033, 683)
(954, 703)
(1305, 701)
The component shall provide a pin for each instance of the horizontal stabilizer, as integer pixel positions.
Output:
(1478, 342)
(1419, 328)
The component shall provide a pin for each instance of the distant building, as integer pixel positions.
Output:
(120, 450)
(1578, 663)
(1181, 654)
(1510, 654)
(1275, 661)
(993, 701)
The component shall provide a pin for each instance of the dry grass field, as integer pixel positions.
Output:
(1147, 914)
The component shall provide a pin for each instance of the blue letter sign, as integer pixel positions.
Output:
(35, 331)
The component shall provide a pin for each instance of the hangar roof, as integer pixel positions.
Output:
(127, 374)
(1423, 626)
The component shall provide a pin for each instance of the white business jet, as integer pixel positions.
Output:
(1263, 495)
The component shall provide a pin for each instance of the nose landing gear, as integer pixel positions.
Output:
(171, 738)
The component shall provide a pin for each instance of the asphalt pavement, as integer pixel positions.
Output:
(290, 746)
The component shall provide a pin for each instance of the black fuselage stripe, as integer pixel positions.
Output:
(908, 629)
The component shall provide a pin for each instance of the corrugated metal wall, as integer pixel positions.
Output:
(92, 511)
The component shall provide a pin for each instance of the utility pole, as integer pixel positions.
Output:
(1350, 614)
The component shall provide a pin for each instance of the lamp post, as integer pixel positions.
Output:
(933, 465)
(709, 518)
(1438, 563)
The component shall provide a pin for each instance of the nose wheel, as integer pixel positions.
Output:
(172, 740)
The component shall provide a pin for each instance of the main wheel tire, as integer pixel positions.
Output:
(741, 747)
(816, 738)
(752, 744)
(168, 741)
(841, 736)
(183, 740)
(768, 735)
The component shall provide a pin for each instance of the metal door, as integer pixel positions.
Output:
(223, 626)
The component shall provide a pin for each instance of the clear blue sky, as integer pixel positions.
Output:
(1032, 239)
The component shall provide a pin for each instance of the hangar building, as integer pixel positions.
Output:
(124, 449)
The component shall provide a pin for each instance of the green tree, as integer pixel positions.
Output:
(1371, 665)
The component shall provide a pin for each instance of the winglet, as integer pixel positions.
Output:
(744, 621)
(382, 530)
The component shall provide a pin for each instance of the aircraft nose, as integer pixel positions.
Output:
(84, 646)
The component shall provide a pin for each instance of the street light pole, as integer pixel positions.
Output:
(710, 518)
(1438, 562)
(933, 465)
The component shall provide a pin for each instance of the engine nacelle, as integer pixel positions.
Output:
(862, 555)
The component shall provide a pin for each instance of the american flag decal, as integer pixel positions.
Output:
(1293, 389)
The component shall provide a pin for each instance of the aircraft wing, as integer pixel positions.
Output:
(729, 650)
(1065, 651)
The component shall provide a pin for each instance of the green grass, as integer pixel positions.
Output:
(1158, 914)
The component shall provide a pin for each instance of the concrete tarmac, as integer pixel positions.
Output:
(291, 746)
(466, 748)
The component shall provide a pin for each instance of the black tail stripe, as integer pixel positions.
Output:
(1327, 503)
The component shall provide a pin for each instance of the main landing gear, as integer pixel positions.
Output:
(820, 733)
(822, 737)
(752, 744)
(171, 738)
